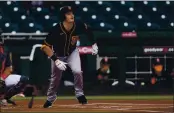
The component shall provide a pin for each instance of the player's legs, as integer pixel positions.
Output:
(75, 65)
(15, 89)
(54, 84)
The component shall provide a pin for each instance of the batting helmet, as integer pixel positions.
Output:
(63, 11)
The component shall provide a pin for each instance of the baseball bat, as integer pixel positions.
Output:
(30, 104)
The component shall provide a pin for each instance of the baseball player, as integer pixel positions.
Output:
(60, 47)
(15, 84)
(10, 84)
(5, 65)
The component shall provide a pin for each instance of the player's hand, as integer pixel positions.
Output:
(1, 79)
(61, 65)
(94, 49)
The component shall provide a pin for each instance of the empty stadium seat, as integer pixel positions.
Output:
(106, 15)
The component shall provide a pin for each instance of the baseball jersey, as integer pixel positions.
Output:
(5, 60)
(63, 42)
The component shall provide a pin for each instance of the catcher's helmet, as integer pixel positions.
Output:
(63, 11)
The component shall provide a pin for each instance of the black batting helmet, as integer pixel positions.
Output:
(63, 11)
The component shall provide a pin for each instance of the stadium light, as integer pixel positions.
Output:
(38, 32)
(77, 2)
(148, 24)
(7, 24)
(125, 24)
(85, 9)
(23, 17)
(122, 2)
(172, 24)
(47, 17)
(108, 9)
(39, 9)
(8, 2)
(167, 2)
(31, 24)
(13, 32)
(54, 24)
(131, 9)
(109, 31)
(139, 16)
(15, 9)
(116, 16)
(154, 9)
(94, 16)
(163, 16)
(145, 2)
(100, 2)
(102, 24)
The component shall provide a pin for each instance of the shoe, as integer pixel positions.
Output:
(82, 99)
(47, 104)
(19, 95)
(3, 102)
(11, 102)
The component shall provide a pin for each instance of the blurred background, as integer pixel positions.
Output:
(135, 42)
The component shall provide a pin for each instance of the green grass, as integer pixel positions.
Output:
(134, 97)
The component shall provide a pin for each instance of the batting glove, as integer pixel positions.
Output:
(94, 49)
(61, 65)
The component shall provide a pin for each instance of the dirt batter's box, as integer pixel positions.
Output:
(124, 104)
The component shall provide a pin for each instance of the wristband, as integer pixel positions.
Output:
(54, 57)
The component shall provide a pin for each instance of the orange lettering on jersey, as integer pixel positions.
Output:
(74, 40)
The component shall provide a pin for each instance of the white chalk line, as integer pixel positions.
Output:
(129, 104)
(111, 107)
(141, 106)
(152, 111)
(102, 106)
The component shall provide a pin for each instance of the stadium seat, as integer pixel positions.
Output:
(106, 15)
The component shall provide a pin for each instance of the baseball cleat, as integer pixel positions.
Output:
(11, 102)
(47, 104)
(82, 99)
(3, 102)
(19, 95)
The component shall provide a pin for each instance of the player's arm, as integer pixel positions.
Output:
(47, 44)
(47, 49)
(8, 67)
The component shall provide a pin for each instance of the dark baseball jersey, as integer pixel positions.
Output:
(5, 60)
(63, 42)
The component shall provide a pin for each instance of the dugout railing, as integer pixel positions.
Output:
(136, 72)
